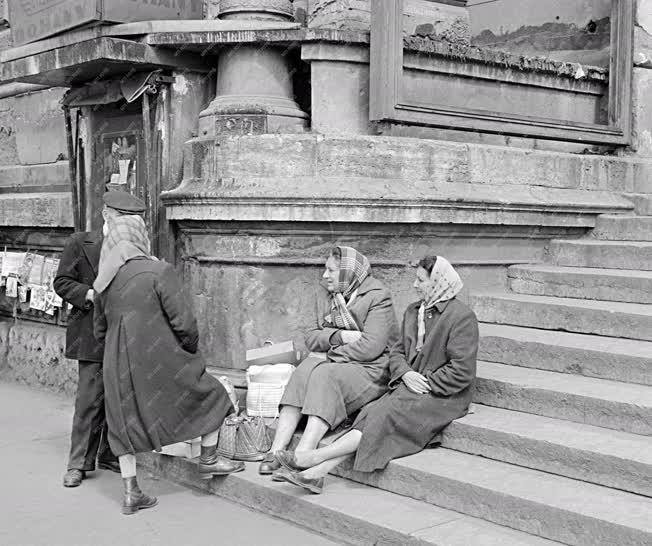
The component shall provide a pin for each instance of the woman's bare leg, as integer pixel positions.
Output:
(288, 420)
(127, 465)
(210, 439)
(341, 448)
(315, 430)
(322, 469)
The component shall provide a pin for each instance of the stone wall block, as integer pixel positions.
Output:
(34, 355)
(8, 145)
(40, 127)
(36, 210)
(642, 112)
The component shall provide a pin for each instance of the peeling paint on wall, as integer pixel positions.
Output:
(180, 85)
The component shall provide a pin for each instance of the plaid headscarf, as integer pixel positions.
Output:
(126, 239)
(446, 284)
(354, 269)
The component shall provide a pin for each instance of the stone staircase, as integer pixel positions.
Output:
(559, 447)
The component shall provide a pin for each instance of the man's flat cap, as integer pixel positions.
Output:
(124, 202)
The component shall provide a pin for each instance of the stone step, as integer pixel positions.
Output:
(584, 283)
(569, 511)
(591, 454)
(610, 254)
(599, 402)
(592, 356)
(642, 203)
(614, 227)
(348, 512)
(614, 319)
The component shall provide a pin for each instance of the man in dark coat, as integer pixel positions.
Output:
(74, 281)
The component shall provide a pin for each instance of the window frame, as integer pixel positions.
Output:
(387, 104)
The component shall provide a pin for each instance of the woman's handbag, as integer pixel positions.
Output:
(242, 438)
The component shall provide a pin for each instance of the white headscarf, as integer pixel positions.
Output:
(446, 284)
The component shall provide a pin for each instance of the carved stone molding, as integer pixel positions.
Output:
(256, 9)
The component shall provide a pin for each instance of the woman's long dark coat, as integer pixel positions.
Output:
(402, 423)
(156, 386)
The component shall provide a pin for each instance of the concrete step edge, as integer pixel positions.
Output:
(347, 512)
(592, 454)
(599, 402)
(558, 508)
(602, 357)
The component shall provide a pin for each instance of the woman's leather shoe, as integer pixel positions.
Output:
(314, 486)
(73, 478)
(219, 466)
(268, 465)
(134, 498)
(280, 474)
(287, 459)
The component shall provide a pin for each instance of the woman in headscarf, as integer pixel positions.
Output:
(355, 325)
(432, 369)
(157, 391)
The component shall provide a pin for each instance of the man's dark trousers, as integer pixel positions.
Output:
(75, 277)
(88, 440)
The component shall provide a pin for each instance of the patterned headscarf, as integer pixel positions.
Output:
(354, 269)
(126, 239)
(446, 284)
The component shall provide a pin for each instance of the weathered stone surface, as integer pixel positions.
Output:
(340, 98)
(583, 283)
(8, 147)
(49, 174)
(592, 356)
(403, 158)
(623, 228)
(591, 454)
(642, 203)
(348, 512)
(615, 319)
(36, 210)
(437, 19)
(40, 127)
(642, 112)
(558, 508)
(33, 354)
(598, 402)
(609, 254)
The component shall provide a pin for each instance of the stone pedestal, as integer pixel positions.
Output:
(254, 82)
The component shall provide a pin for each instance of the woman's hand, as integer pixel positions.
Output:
(350, 336)
(416, 382)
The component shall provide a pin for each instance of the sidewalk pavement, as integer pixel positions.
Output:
(35, 509)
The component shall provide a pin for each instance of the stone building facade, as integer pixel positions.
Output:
(257, 151)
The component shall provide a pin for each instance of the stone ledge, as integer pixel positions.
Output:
(47, 174)
(321, 199)
(36, 210)
(288, 156)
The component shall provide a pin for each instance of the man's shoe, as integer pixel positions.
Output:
(314, 486)
(73, 478)
(268, 465)
(218, 466)
(134, 498)
(113, 466)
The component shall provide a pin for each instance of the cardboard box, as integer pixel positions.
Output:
(277, 353)
(33, 20)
